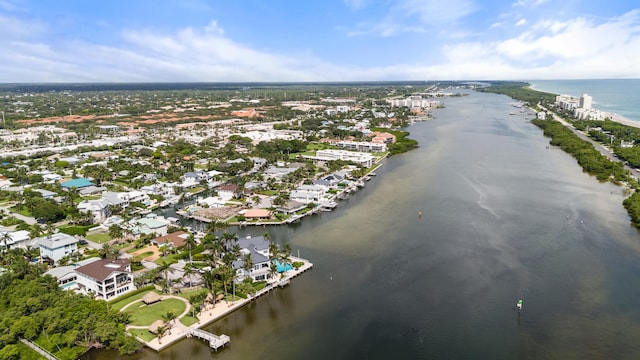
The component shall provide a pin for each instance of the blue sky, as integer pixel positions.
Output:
(328, 40)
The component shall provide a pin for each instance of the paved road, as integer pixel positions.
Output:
(598, 146)
(28, 220)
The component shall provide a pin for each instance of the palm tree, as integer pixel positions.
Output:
(214, 246)
(6, 238)
(247, 264)
(36, 230)
(165, 268)
(31, 253)
(216, 225)
(50, 228)
(161, 330)
(190, 243)
(256, 200)
(115, 232)
(189, 270)
(109, 251)
(227, 273)
(284, 255)
(169, 316)
(273, 257)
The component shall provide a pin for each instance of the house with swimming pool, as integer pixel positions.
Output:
(258, 249)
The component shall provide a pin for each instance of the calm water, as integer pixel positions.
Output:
(620, 96)
(503, 218)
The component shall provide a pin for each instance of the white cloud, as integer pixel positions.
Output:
(550, 49)
(521, 22)
(214, 28)
(415, 16)
(577, 48)
(12, 28)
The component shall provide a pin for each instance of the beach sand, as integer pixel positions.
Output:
(622, 120)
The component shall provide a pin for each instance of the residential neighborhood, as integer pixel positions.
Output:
(110, 205)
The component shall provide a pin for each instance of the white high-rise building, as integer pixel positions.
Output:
(585, 101)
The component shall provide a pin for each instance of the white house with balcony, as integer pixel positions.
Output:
(258, 249)
(56, 246)
(308, 193)
(98, 208)
(105, 278)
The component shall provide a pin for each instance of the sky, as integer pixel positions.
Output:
(316, 41)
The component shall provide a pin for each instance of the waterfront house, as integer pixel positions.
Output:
(105, 278)
(66, 275)
(330, 180)
(148, 225)
(258, 248)
(56, 246)
(257, 214)
(291, 207)
(228, 191)
(308, 193)
(173, 240)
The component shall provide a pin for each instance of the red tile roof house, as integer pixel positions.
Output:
(228, 191)
(175, 239)
(256, 214)
(106, 278)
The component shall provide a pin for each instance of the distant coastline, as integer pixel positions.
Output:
(619, 98)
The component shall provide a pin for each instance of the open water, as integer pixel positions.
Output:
(620, 96)
(504, 218)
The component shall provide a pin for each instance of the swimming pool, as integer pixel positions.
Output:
(282, 268)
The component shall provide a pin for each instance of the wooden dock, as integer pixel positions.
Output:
(215, 341)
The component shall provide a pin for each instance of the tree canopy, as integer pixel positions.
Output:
(64, 323)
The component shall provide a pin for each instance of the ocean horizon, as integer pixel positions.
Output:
(618, 96)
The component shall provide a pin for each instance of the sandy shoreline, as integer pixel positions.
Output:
(609, 115)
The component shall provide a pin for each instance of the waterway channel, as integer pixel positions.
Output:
(503, 218)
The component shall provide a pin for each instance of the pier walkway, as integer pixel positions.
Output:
(211, 313)
(215, 341)
(37, 348)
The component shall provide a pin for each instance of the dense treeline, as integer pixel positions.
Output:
(591, 160)
(519, 91)
(64, 323)
(402, 144)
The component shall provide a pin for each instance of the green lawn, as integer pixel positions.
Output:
(145, 315)
(197, 189)
(187, 320)
(142, 334)
(99, 238)
(320, 146)
(187, 295)
(24, 211)
(122, 303)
